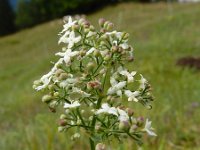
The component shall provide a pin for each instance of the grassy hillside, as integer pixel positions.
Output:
(160, 33)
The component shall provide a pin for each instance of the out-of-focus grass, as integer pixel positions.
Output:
(160, 35)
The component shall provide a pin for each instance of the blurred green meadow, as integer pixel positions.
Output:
(160, 33)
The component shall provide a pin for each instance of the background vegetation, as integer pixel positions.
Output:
(159, 32)
(7, 16)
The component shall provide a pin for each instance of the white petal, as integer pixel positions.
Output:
(113, 81)
(120, 85)
(119, 93)
(90, 51)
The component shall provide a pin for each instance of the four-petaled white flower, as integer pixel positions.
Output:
(123, 116)
(132, 95)
(105, 108)
(45, 79)
(67, 55)
(72, 105)
(68, 25)
(70, 39)
(124, 45)
(116, 87)
(124, 72)
(148, 128)
(143, 82)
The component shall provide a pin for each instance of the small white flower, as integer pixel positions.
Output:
(116, 87)
(105, 108)
(72, 105)
(79, 91)
(132, 95)
(68, 25)
(124, 72)
(70, 39)
(124, 45)
(64, 37)
(68, 54)
(123, 116)
(45, 79)
(142, 82)
(148, 128)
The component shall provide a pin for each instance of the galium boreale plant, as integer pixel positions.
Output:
(92, 86)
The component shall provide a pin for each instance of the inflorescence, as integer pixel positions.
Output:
(92, 85)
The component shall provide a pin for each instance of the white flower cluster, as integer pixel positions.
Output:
(89, 60)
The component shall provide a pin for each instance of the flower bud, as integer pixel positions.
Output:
(86, 30)
(86, 24)
(106, 24)
(51, 87)
(96, 53)
(110, 26)
(56, 94)
(107, 57)
(63, 76)
(130, 59)
(120, 49)
(34, 86)
(62, 122)
(90, 66)
(92, 28)
(58, 72)
(101, 22)
(114, 49)
(104, 37)
(37, 82)
(122, 107)
(102, 43)
(140, 121)
(63, 116)
(82, 53)
(46, 98)
(129, 112)
(124, 125)
(80, 22)
(98, 127)
(100, 146)
(90, 118)
(53, 110)
(78, 121)
(133, 128)
(93, 85)
(125, 35)
(53, 104)
(109, 98)
(61, 129)
(102, 30)
(102, 71)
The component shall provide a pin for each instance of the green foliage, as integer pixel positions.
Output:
(32, 12)
(7, 18)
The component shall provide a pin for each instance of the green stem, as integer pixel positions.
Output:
(92, 145)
